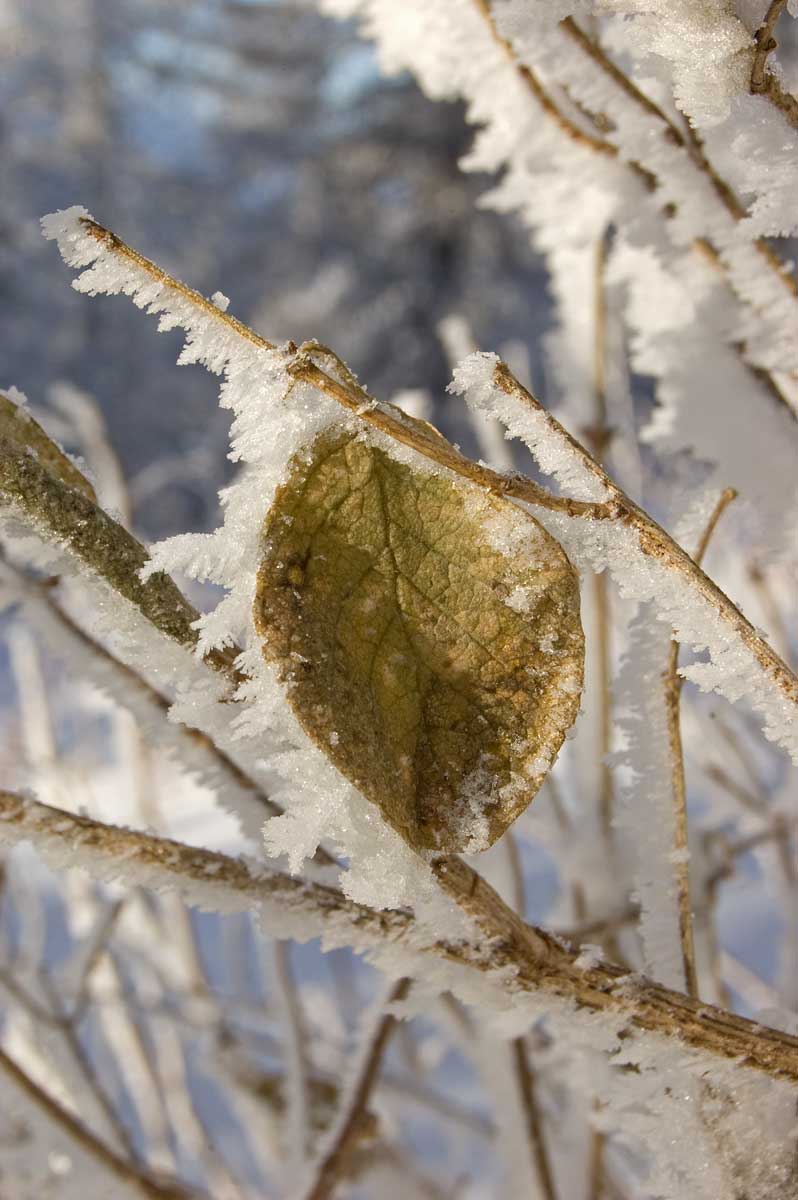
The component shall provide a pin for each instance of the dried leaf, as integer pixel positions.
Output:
(384, 605)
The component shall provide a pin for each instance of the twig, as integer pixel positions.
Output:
(599, 436)
(133, 689)
(537, 1136)
(69, 518)
(530, 78)
(724, 191)
(297, 1072)
(593, 49)
(611, 923)
(655, 543)
(353, 397)
(332, 1168)
(142, 1181)
(693, 143)
(743, 795)
(596, 1168)
(540, 962)
(763, 81)
(773, 614)
(86, 1069)
(765, 45)
(673, 691)
(99, 944)
(708, 914)
(516, 871)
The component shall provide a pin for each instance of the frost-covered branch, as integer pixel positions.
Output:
(531, 80)
(700, 612)
(19, 427)
(506, 960)
(765, 82)
(689, 141)
(70, 520)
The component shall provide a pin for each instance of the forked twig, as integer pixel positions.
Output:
(335, 1161)
(142, 1181)
(656, 544)
(763, 81)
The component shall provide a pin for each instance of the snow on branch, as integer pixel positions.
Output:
(512, 970)
(646, 562)
(71, 521)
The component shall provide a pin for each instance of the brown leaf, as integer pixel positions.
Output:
(383, 604)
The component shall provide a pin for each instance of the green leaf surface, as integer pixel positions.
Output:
(436, 670)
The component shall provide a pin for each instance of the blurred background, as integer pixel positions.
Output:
(250, 147)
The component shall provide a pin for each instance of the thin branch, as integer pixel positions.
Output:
(539, 960)
(695, 147)
(655, 543)
(724, 500)
(773, 614)
(332, 1168)
(408, 432)
(765, 45)
(693, 143)
(100, 939)
(534, 1120)
(142, 1181)
(598, 926)
(516, 871)
(134, 686)
(599, 436)
(297, 1070)
(763, 81)
(673, 691)
(596, 1174)
(67, 517)
(595, 51)
(533, 83)
(743, 795)
(86, 1069)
